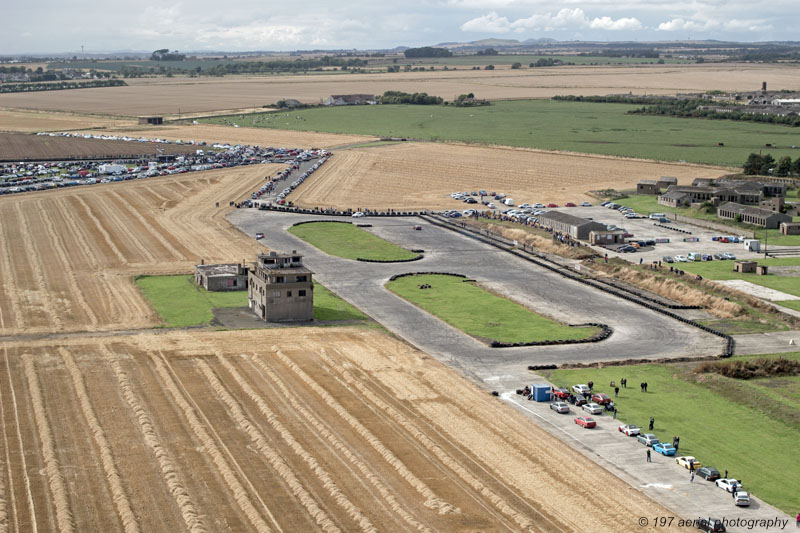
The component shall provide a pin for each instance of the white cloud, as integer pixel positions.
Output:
(679, 24)
(565, 18)
(701, 22)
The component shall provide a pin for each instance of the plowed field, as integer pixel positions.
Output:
(35, 121)
(67, 257)
(422, 176)
(18, 147)
(332, 430)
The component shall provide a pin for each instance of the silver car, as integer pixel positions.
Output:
(560, 407)
(593, 408)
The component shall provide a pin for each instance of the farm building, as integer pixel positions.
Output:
(752, 215)
(675, 199)
(647, 187)
(607, 237)
(790, 228)
(223, 277)
(575, 227)
(153, 121)
(351, 99)
(281, 288)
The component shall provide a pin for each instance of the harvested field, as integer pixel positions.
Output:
(334, 430)
(252, 136)
(422, 176)
(21, 147)
(191, 95)
(35, 121)
(67, 257)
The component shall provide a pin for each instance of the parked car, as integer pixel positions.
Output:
(358, 214)
(626, 249)
(569, 204)
(687, 461)
(593, 409)
(585, 421)
(668, 259)
(601, 398)
(708, 257)
(730, 256)
(582, 388)
(579, 399)
(648, 439)
(729, 484)
(560, 407)
(664, 448)
(586, 204)
(629, 430)
(711, 525)
(680, 258)
(709, 473)
(742, 498)
(561, 393)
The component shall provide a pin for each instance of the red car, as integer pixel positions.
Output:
(569, 204)
(585, 421)
(552, 205)
(600, 398)
(561, 393)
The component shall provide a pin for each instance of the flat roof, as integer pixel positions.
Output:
(227, 269)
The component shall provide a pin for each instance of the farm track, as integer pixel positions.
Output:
(68, 256)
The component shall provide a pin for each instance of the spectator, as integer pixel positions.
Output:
(616, 392)
(649, 461)
(652, 423)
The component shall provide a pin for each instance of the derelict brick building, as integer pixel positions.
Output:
(280, 288)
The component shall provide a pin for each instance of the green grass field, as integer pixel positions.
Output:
(747, 427)
(349, 241)
(480, 313)
(181, 303)
(723, 270)
(646, 204)
(553, 125)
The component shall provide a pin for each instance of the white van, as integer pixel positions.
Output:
(656, 216)
(509, 202)
(695, 257)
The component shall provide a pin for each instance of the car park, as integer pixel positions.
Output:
(664, 448)
(629, 430)
(560, 407)
(585, 421)
(729, 484)
(708, 473)
(710, 525)
(648, 439)
(688, 462)
(582, 389)
(742, 498)
(593, 408)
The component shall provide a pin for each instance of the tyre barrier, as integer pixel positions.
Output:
(673, 229)
(396, 276)
(417, 258)
(417, 251)
(363, 226)
(644, 297)
(306, 211)
(603, 334)
(542, 367)
(315, 221)
(730, 344)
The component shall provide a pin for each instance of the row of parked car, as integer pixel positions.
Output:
(698, 257)
(600, 402)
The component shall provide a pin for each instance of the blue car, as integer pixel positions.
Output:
(664, 448)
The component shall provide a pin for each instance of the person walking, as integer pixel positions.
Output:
(652, 423)
(616, 392)
(649, 461)
(624, 383)
(692, 478)
(615, 413)
(726, 474)
(591, 385)
(798, 520)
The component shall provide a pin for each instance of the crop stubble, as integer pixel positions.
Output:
(422, 176)
(68, 256)
(335, 430)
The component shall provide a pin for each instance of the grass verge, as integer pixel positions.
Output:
(745, 426)
(181, 303)
(349, 241)
(480, 313)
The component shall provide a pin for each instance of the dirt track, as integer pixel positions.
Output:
(333, 430)
(422, 176)
(68, 256)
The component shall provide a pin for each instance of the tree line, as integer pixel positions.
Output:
(399, 97)
(765, 165)
(427, 51)
(246, 67)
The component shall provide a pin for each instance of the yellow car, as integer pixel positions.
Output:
(687, 460)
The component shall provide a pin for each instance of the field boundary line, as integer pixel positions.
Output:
(172, 476)
(55, 479)
(238, 414)
(240, 494)
(102, 230)
(10, 288)
(337, 444)
(119, 495)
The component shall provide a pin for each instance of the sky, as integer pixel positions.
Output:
(51, 26)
